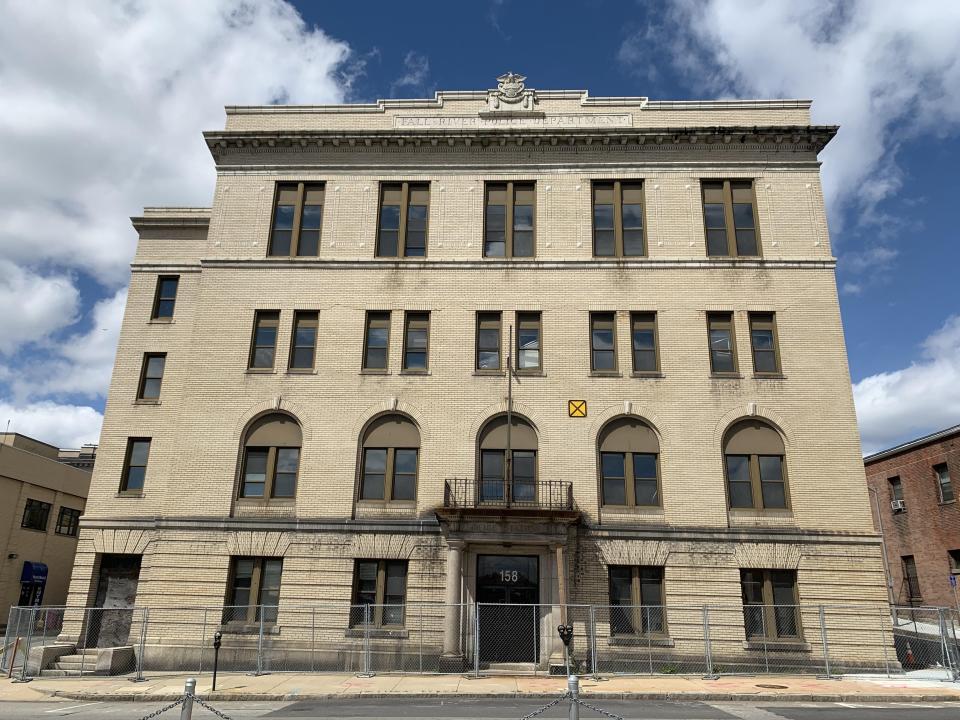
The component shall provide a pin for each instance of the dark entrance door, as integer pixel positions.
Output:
(508, 590)
(116, 595)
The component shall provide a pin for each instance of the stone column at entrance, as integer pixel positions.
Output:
(452, 652)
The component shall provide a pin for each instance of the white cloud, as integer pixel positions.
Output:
(61, 425)
(111, 99)
(870, 66)
(416, 71)
(106, 104)
(34, 305)
(918, 399)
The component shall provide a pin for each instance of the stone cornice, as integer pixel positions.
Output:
(498, 264)
(812, 138)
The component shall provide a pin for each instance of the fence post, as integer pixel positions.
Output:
(260, 643)
(707, 647)
(26, 647)
(646, 629)
(313, 639)
(945, 656)
(825, 643)
(593, 641)
(476, 639)
(143, 642)
(86, 639)
(189, 690)
(421, 637)
(883, 639)
(203, 638)
(367, 619)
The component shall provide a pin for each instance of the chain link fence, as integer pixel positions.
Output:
(484, 638)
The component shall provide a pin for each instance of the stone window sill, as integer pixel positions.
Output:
(398, 504)
(160, 321)
(301, 371)
(609, 374)
(145, 401)
(726, 376)
(948, 502)
(261, 371)
(242, 628)
(415, 373)
(529, 373)
(640, 640)
(769, 376)
(378, 633)
(129, 494)
(777, 645)
(489, 373)
(374, 371)
(649, 375)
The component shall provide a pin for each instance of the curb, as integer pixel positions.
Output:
(650, 696)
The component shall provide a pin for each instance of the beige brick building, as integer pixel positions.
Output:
(309, 401)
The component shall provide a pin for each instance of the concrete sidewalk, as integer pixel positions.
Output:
(231, 686)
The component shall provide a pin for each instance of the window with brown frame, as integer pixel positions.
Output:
(416, 342)
(402, 228)
(303, 345)
(528, 342)
(36, 513)
(488, 341)
(603, 342)
(151, 376)
(618, 229)
(509, 220)
(263, 344)
(379, 593)
(68, 522)
(643, 337)
(508, 477)
(376, 340)
(271, 458)
(629, 468)
(753, 455)
(911, 580)
(636, 600)
(896, 489)
(388, 464)
(944, 484)
(297, 220)
(135, 465)
(723, 346)
(764, 344)
(253, 590)
(770, 608)
(165, 298)
(730, 219)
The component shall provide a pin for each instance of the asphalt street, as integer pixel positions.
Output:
(385, 709)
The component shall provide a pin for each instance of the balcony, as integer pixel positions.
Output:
(497, 497)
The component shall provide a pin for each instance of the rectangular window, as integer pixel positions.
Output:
(135, 465)
(954, 556)
(379, 592)
(297, 220)
(729, 218)
(896, 488)
(770, 608)
(376, 341)
(303, 346)
(643, 337)
(723, 353)
(763, 343)
(528, 342)
(166, 297)
(35, 515)
(263, 345)
(944, 485)
(416, 341)
(151, 376)
(488, 341)
(270, 471)
(629, 478)
(68, 522)
(636, 600)
(756, 481)
(618, 219)
(509, 220)
(254, 588)
(603, 342)
(911, 580)
(402, 228)
(389, 474)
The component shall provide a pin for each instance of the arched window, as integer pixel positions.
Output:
(502, 478)
(271, 458)
(388, 465)
(629, 467)
(753, 460)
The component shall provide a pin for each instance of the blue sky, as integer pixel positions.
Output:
(111, 99)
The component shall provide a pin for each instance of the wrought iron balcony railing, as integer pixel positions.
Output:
(473, 494)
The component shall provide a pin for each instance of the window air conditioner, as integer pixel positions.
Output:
(898, 506)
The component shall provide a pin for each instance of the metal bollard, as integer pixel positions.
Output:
(573, 685)
(189, 689)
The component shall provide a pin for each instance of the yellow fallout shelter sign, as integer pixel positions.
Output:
(577, 408)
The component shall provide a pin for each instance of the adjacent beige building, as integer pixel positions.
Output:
(43, 500)
(310, 398)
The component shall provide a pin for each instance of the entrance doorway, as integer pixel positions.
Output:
(116, 595)
(508, 590)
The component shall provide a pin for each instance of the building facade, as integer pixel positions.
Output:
(311, 402)
(39, 522)
(914, 488)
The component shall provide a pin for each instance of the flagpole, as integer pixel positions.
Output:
(508, 489)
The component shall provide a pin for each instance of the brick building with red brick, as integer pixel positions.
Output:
(914, 486)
